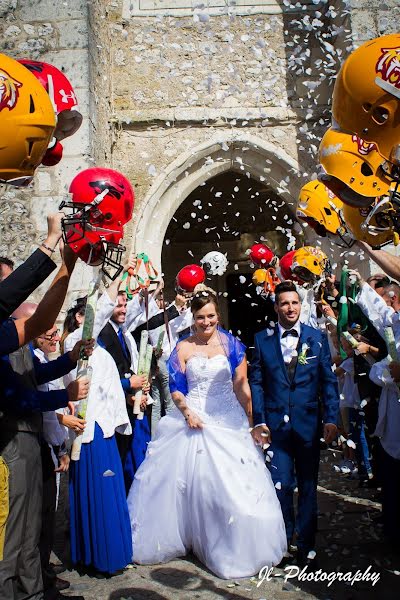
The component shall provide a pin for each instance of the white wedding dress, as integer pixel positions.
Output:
(207, 490)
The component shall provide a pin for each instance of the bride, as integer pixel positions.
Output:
(204, 485)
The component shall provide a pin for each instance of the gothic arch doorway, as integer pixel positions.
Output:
(228, 213)
(223, 195)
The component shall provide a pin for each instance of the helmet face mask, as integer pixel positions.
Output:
(374, 224)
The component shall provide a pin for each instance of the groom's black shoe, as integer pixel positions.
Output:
(307, 559)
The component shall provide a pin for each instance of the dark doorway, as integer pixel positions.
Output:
(229, 213)
(248, 311)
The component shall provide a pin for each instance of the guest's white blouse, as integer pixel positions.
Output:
(106, 403)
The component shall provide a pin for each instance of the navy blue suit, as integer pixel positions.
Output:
(293, 408)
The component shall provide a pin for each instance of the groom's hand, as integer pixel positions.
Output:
(330, 432)
(261, 435)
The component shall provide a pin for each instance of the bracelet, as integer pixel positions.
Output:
(46, 247)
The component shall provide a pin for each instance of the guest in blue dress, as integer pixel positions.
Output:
(99, 519)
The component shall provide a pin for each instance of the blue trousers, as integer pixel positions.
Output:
(359, 438)
(295, 462)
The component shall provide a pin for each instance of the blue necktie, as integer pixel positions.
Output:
(123, 343)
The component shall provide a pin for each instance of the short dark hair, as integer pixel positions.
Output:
(7, 261)
(283, 287)
(380, 280)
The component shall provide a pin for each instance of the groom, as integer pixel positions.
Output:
(294, 390)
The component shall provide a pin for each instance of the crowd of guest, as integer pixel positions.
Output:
(41, 395)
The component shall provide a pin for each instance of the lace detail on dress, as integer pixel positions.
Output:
(211, 392)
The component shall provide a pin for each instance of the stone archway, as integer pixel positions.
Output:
(225, 152)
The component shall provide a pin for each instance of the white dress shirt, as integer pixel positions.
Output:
(290, 342)
(54, 433)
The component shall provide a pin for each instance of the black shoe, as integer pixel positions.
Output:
(305, 560)
(61, 584)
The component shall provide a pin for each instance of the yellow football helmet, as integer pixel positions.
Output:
(259, 276)
(321, 209)
(352, 168)
(375, 228)
(366, 96)
(27, 122)
(309, 263)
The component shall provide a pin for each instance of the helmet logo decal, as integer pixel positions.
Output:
(388, 65)
(9, 91)
(364, 147)
(100, 186)
(65, 97)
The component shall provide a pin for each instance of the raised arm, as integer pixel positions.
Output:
(23, 281)
(388, 263)
(48, 309)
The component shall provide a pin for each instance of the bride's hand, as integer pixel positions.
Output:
(193, 421)
(261, 435)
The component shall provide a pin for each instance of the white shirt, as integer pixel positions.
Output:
(381, 316)
(53, 433)
(350, 397)
(180, 323)
(290, 342)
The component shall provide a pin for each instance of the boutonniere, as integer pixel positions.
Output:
(302, 358)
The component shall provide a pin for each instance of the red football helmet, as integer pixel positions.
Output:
(285, 264)
(62, 96)
(261, 255)
(189, 277)
(102, 202)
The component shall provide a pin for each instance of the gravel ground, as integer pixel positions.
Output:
(349, 540)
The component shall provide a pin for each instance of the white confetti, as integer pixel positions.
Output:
(108, 473)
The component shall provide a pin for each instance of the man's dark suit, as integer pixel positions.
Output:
(286, 399)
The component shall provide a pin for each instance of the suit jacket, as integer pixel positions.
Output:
(109, 340)
(16, 288)
(154, 322)
(286, 403)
